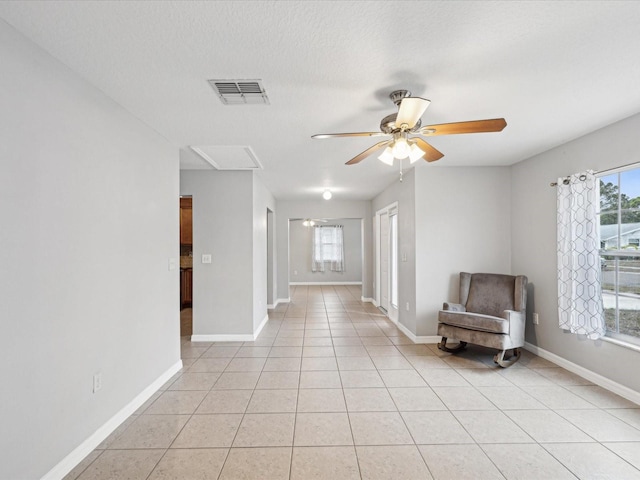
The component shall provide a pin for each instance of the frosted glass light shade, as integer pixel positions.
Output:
(401, 148)
(415, 153)
(387, 156)
(327, 195)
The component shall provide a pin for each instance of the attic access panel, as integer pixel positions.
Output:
(230, 157)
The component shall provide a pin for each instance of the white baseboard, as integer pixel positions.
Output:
(594, 377)
(325, 283)
(69, 462)
(261, 326)
(418, 339)
(278, 300)
(367, 300)
(240, 337)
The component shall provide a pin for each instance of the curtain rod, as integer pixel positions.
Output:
(582, 177)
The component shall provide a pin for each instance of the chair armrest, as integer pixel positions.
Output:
(454, 307)
(516, 325)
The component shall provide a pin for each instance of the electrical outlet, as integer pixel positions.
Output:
(536, 319)
(407, 306)
(206, 258)
(173, 264)
(97, 382)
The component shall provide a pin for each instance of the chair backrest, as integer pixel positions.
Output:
(492, 293)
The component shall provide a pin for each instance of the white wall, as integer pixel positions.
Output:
(404, 193)
(449, 220)
(463, 223)
(262, 200)
(534, 243)
(223, 227)
(334, 208)
(89, 208)
(300, 251)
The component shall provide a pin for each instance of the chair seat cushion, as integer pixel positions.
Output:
(474, 321)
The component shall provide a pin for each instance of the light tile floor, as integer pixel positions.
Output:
(331, 389)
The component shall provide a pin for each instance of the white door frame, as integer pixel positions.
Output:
(393, 311)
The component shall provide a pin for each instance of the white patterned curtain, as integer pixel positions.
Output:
(579, 292)
(317, 250)
(337, 241)
(327, 246)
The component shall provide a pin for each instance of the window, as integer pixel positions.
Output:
(328, 246)
(619, 256)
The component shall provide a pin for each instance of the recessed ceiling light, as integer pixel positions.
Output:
(327, 195)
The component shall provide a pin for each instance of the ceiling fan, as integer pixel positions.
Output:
(405, 131)
(310, 222)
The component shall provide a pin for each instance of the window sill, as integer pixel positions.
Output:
(622, 343)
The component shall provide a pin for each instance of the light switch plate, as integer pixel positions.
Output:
(173, 264)
(206, 258)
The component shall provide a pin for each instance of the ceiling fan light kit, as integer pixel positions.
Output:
(327, 195)
(407, 121)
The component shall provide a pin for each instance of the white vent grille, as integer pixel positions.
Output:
(240, 92)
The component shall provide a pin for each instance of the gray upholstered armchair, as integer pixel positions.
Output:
(491, 313)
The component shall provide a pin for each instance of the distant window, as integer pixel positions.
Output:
(328, 247)
(330, 241)
(635, 242)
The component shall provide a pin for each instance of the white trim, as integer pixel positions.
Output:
(325, 283)
(392, 207)
(594, 377)
(418, 339)
(78, 454)
(367, 300)
(621, 343)
(271, 307)
(283, 300)
(239, 337)
(261, 326)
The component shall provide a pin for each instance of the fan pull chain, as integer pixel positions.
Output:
(400, 170)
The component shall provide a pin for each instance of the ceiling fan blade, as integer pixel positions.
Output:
(474, 126)
(411, 109)
(356, 134)
(431, 154)
(367, 152)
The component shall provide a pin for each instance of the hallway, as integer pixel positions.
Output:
(332, 390)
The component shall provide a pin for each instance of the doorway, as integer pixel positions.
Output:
(271, 281)
(386, 240)
(186, 266)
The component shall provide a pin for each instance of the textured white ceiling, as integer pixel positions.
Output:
(554, 70)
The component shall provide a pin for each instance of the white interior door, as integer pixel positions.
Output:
(392, 311)
(384, 261)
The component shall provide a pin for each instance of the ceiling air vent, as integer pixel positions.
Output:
(240, 92)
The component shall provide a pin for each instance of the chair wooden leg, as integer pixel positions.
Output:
(443, 346)
(505, 363)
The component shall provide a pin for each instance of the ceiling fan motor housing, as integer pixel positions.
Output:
(397, 95)
(388, 124)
